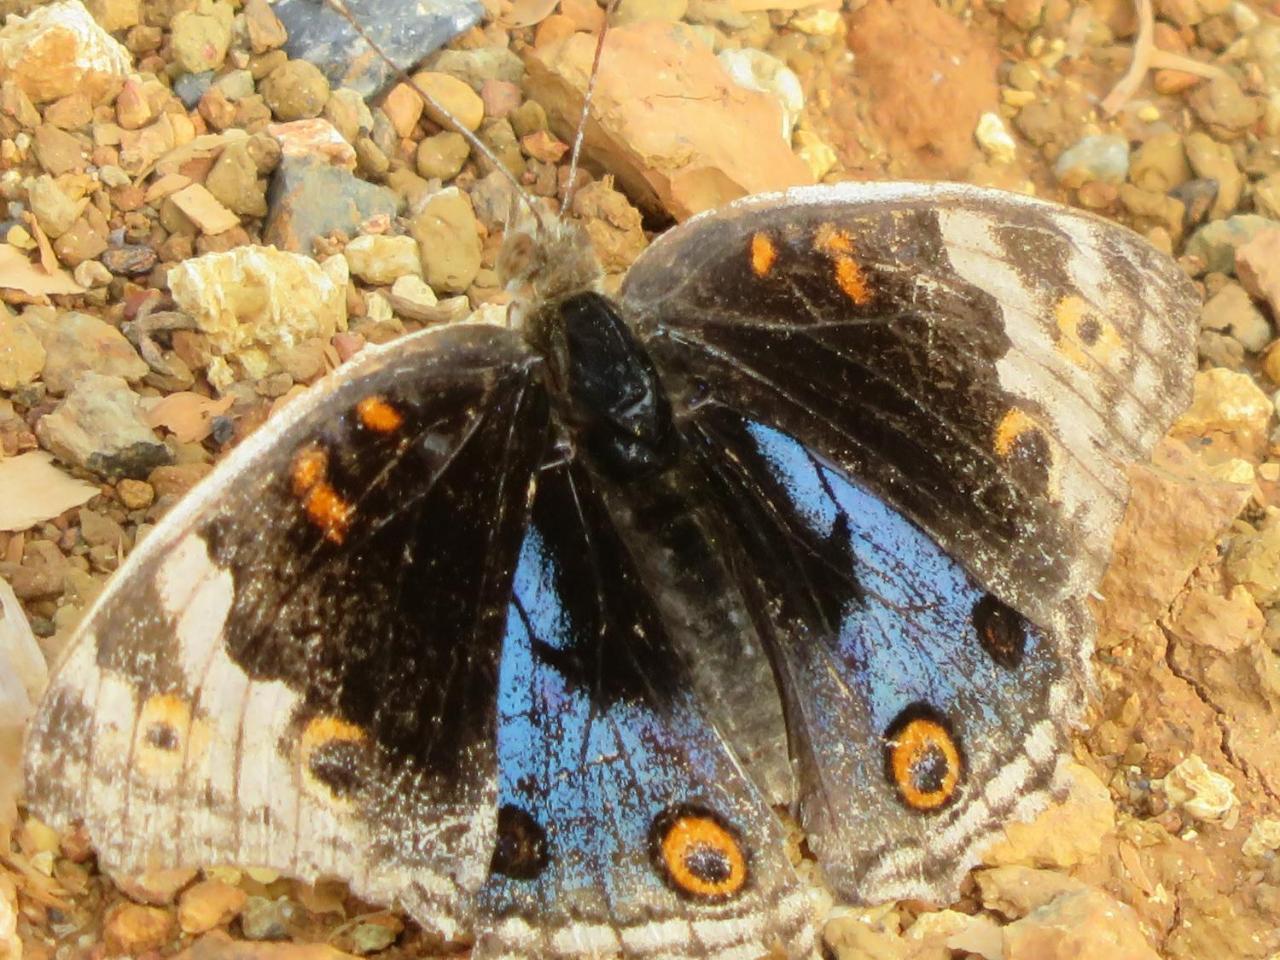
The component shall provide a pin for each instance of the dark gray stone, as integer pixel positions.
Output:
(407, 30)
(190, 87)
(311, 198)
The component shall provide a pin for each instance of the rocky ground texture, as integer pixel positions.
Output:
(152, 152)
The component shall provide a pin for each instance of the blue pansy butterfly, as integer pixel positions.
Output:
(530, 629)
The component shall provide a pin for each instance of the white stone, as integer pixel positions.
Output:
(994, 139)
(59, 49)
(1199, 791)
(252, 301)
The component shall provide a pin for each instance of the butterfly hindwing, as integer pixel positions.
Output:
(626, 826)
(916, 691)
(297, 669)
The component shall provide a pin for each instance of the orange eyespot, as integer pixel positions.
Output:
(330, 749)
(378, 415)
(699, 855)
(923, 759)
(763, 254)
(163, 720)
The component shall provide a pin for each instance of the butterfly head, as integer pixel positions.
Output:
(542, 262)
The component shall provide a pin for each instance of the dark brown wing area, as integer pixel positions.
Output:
(299, 667)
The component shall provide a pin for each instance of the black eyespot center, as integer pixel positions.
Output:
(337, 765)
(1002, 631)
(929, 769)
(521, 851)
(1089, 330)
(708, 863)
(1030, 460)
(162, 736)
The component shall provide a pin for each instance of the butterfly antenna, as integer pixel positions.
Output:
(403, 76)
(586, 107)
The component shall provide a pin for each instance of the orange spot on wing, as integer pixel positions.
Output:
(702, 857)
(1011, 426)
(326, 729)
(837, 245)
(325, 507)
(379, 415)
(328, 511)
(763, 254)
(309, 468)
(923, 740)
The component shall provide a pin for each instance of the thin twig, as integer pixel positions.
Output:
(1147, 56)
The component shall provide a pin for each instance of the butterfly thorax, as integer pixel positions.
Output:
(605, 386)
(606, 390)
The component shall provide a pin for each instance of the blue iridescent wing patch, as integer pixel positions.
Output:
(625, 823)
(917, 696)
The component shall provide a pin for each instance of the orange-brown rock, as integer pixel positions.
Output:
(666, 119)
(928, 78)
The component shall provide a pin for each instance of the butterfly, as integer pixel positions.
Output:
(530, 629)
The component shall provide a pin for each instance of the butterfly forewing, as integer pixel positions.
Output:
(298, 668)
(989, 363)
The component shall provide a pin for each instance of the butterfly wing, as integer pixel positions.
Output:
(298, 667)
(987, 362)
(915, 405)
(928, 710)
(626, 827)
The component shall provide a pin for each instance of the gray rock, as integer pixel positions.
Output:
(190, 87)
(77, 342)
(129, 259)
(1104, 158)
(310, 198)
(266, 919)
(407, 30)
(474, 67)
(100, 427)
(1232, 312)
(1198, 198)
(1215, 243)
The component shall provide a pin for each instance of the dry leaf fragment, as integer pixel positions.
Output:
(33, 490)
(188, 416)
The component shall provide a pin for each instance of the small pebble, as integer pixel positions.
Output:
(131, 929)
(455, 96)
(296, 90)
(266, 919)
(442, 156)
(135, 494)
(381, 260)
(994, 139)
(1103, 158)
(200, 42)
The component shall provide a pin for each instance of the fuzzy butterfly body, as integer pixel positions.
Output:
(529, 630)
